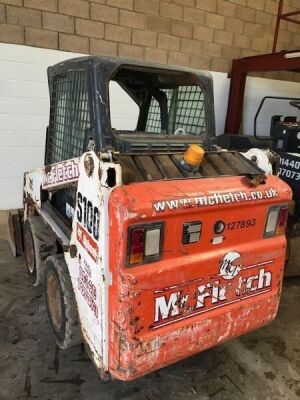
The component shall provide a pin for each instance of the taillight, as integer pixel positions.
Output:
(144, 243)
(276, 221)
(282, 220)
(137, 246)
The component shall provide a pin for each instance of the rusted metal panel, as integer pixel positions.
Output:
(15, 232)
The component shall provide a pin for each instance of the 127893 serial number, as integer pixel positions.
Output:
(244, 223)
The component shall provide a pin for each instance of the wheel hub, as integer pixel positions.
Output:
(54, 301)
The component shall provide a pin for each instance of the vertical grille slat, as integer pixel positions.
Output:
(150, 170)
(171, 169)
(246, 164)
(219, 164)
(69, 116)
(131, 173)
(231, 160)
(207, 169)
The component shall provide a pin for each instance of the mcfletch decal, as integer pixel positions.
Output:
(215, 199)
(59, 174)
(234, 283)
(229, 267)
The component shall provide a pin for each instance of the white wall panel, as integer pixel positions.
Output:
(221, 90)
(123, 110)
(24, 89)
(17, 105)
(24, 111)
(27, 121)
(24, 114)
(256, 89)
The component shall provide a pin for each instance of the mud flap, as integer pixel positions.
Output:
(292, 267)
(15, 232)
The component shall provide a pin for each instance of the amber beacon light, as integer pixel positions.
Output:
(193, 157)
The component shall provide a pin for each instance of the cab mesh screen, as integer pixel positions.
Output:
(69, 116)
(186, 110)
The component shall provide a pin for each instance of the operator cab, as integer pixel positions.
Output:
(175, 107)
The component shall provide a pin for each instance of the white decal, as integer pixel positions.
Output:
(229, 265)
(164, 308)
(59, 174)
(197, 297)
(215, 291)
(215, 199)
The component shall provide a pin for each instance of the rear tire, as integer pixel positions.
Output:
(30, 253)
(39, 243)
(60, 302)
(292, 267)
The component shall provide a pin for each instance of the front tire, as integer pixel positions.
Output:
(61, 303)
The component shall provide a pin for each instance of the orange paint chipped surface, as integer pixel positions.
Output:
(198, 294)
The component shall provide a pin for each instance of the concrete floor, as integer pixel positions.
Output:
(262, 365)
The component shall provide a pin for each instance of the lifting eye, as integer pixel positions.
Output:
(89, 165)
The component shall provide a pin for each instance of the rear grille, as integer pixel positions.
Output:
(158, 166)
(157, 147)
(69, 116)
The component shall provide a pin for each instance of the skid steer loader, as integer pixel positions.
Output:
(151, 245)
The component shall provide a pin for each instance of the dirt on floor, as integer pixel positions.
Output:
(262, 365)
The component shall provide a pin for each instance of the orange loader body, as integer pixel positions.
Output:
(197, 295)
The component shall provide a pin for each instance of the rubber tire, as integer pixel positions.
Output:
(29, 241)
(292, 267)
(68, 334)
(43, 245)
